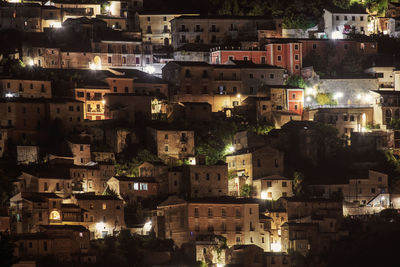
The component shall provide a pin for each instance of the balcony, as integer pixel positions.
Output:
(166, 31)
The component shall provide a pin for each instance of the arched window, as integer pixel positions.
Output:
(55, 215)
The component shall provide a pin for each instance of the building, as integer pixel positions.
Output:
(22, 87)
(186, 221)
(221, 85)
(92, 178)
(171, 144)
(205, 180)
(104, 214)
(247, 139)
(28, 117)
(28, 210)
(284, 53)
(215, 30)
(386, 107)
(190, 111)
(133, 188)
(363, 189)
(156, 28)
(66, 242)
(52, 179)
(301, 237)
(345, 119)
(254, 163)
(26, 17)
(340, 22)
(273, 187)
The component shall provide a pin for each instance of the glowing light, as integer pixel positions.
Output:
(276, 247)
(30, 62)
(385, 32)
(238, 95)
(9, 95)
(358, 96)
(56, 25)
(264, 195)
(363, 129)
(55, 215)
(103, 101)
(150, 69)
(368, 98)
(337, 35)
(147, 227)
(308, 99)
(220, 265)
(338, 95)
(310, 91)
(100, 226)
(107, 8)
(231, 149)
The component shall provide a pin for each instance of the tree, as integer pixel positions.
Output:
(325, 99)
(296, 81)
(245, 191)
(298, 189)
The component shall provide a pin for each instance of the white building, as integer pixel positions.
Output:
(341, 22)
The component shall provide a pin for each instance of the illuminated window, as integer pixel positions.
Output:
(55, 215)
(104, 206)
(136, 186)
(143, 187)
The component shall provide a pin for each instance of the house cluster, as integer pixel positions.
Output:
(98, 83)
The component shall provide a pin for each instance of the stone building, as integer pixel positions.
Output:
(186, 221)
(202, 180)
(104, 214)
(29, 116)
(91, 178)
(345, 119)
(171, 144)
(273, 187)
(25, 17)
(133, 188)
(156, 28)
(21, 87)
(361, 188)
(28, 210)
(66, 242)
(339, 22)
(254, 163)
(215, 30)
(28, 154)
(221, 85)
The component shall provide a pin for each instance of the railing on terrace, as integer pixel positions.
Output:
(341, 106)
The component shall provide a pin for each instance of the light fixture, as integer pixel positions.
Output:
(30, 62)
(308, 99)
(231, 149)
(149, 69)
(9, 95)
(100, 226)
(276, 247)
(264, 195)
(103, 101)
(338, 95)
